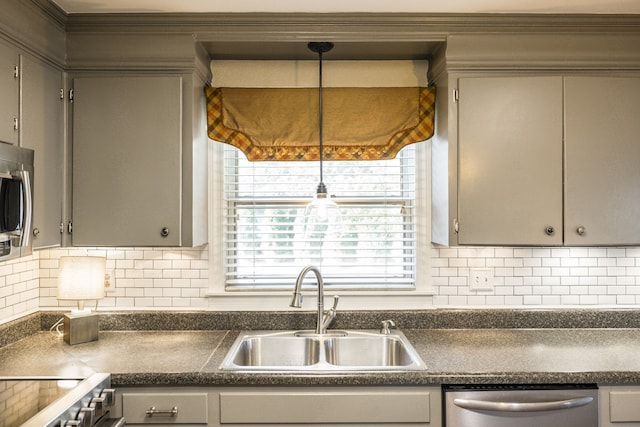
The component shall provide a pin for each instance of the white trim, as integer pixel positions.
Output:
(349, 300)
(423, 216)
(216, 209)
(421, 297)
(220, 299)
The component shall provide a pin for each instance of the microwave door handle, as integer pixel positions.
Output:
(28, 208)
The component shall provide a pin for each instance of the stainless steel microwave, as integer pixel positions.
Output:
(16, 201)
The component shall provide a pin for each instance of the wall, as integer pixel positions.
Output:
(539, 277)
(524, 277)
(151, 278)
(145, 278)
(19, 292)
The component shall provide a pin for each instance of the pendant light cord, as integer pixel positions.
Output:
(320, 48)
(320, 117)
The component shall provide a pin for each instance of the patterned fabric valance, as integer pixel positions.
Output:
(358, 123)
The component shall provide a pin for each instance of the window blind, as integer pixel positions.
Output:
(265, 246)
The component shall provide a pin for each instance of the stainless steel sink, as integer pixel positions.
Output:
(335, 351)
(270, 350)
(375, 350)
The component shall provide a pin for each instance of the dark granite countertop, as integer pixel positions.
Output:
(452, 356)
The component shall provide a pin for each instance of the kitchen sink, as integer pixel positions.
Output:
(270, 350)
(380, 350)
(335, 351)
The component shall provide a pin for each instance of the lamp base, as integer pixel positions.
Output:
(80, 327)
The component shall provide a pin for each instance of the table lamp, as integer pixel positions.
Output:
(81, 278)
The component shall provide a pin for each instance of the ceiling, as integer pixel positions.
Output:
(338, 6)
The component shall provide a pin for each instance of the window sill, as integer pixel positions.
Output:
(349, 300)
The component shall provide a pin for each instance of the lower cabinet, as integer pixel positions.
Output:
(271, 406)
(619, 406)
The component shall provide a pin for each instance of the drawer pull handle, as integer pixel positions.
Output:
(163, 413)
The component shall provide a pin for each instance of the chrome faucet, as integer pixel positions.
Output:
(323, 319)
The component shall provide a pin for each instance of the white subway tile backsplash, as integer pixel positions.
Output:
(543, 276)
(156, 278)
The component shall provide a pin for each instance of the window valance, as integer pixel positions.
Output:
(269, 124)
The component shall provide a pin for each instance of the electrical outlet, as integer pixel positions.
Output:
(110, 280)
(481, 279)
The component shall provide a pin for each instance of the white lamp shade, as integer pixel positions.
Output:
(81, 278)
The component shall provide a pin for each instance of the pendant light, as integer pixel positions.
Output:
(322, 215)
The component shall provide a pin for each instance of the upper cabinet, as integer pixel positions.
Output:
(602, 149)
(127, 169)
(547, 160)
(139, 143)
(42, 130)
(32, 111)
(32, 115)
(510, 161)
(536, 140)
(9, 88)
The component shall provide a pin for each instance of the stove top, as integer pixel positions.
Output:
(21, 399)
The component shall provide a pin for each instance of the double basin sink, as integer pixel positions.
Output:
(335, 351)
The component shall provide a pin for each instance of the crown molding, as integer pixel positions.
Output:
(288, 24)
(52, 10)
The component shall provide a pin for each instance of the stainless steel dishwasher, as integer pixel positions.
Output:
(521, 406)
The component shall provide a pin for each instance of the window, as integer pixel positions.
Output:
(372, 247)
(381, 248)
(382, 256)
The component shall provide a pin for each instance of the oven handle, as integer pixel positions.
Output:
(111, 422)
(483, 405)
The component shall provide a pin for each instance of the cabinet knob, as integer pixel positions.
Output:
(36, 232)
(549, 230)
(164, 232)
(580, 230)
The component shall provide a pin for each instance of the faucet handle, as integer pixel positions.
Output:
(336, 298)
(328, 317)
(386, 327)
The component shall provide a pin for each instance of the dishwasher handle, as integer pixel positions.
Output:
(483, 405)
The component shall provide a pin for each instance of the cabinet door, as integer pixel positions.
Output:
(43, 132)
(510, 161)
(9, 86)
(619, 406)
(332, 407)
(602, 188)
(127, 139)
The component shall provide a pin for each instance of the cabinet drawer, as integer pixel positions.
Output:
(624, 406)
(190, 408)
(324, 407)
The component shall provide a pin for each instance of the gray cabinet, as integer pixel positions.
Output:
(138, 140)
(42, 130)
(602, 175)
(548, 160)
(161, 407)
(32, 115)
(9, 88)
(619, 406)
(510, 161)
(270, 406)
(360, 406)
(127, 160)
